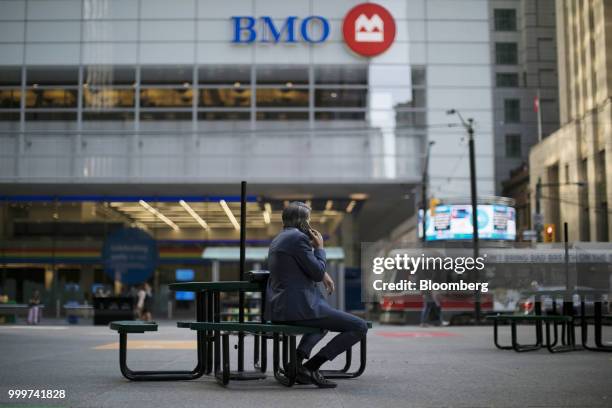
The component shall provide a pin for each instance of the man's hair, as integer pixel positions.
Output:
(295, 214)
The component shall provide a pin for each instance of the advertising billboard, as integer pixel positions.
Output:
(454, 222)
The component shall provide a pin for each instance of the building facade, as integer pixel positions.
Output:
(128, 112)
(523, 47)
(574, 163)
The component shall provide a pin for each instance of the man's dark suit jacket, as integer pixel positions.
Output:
(295, 268)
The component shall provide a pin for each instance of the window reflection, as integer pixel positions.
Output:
(282, 74)
(340, 115)
(57, 115)
(51, 98)
(166, 98)
(151, 116)
(225, 74)
(103, 116)
(282, 115)
(221, 97)
(224, 115)
(103, 75)
(282, 97)
(108, 98)
(10, 98)
(354, 98)
(177, 74)
(40, 76)
(341, 74)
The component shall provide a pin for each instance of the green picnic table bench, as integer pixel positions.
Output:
(137, 326)
(566, 321)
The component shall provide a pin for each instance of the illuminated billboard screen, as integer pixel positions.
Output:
(454, 222)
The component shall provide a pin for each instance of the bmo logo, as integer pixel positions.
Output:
(368, 29)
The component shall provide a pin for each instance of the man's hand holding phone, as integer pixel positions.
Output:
(316, 238)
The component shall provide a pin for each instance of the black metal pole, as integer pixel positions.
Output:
(242, 272)
(470, 129)
(538, 209)
(566, 255)
(424, 191)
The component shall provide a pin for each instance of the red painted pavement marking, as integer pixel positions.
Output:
(415, 334)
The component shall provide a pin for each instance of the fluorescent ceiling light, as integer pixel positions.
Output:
(229, 214)
(195, 215)
(159, 215)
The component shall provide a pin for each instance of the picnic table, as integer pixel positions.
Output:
(213, 342)
(567, 319)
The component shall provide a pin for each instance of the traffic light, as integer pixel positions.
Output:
(433, 203)
(549, 232)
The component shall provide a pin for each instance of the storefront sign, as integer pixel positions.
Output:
(368, 29)
(129, 255)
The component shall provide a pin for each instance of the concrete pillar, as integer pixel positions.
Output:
(216, 270)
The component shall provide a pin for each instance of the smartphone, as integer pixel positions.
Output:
(305, 228)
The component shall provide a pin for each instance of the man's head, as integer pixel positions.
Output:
(296, 214)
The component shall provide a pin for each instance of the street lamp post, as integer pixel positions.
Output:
(469, 127)
(424, 193)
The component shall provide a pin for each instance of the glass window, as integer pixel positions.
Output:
(411, 118)
(349, 98)
(282, 97)
(224, 115)
(156, 115)
(505, 19)
(512, 111)
(225, 74)
(264, 115)
(341, 74)
(41, 76)
(513, 146)
(57, 115)
(101, 75)
(225, 97)
(10, 98)
(108, 98)
(289, 75)
(340, 115)
(418, 76)
(51, 98)
(166, 98)
(9, 116)
(10, 76)
(114, 116)
(507, 80)
(172, 75)
(506, 53)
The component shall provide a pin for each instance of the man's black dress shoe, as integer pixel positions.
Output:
(303, 375)
(317, 379)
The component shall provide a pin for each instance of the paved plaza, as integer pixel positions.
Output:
(407, 367)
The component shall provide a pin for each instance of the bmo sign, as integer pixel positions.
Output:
(368, 29)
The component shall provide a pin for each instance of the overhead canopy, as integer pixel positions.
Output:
(230, 254)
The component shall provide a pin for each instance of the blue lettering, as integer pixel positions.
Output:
(276, 34)
(245, 31)
(248, 28)
(324, 27)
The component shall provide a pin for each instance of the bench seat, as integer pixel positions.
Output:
(133, 326)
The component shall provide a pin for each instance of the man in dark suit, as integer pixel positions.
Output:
(296, 260)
